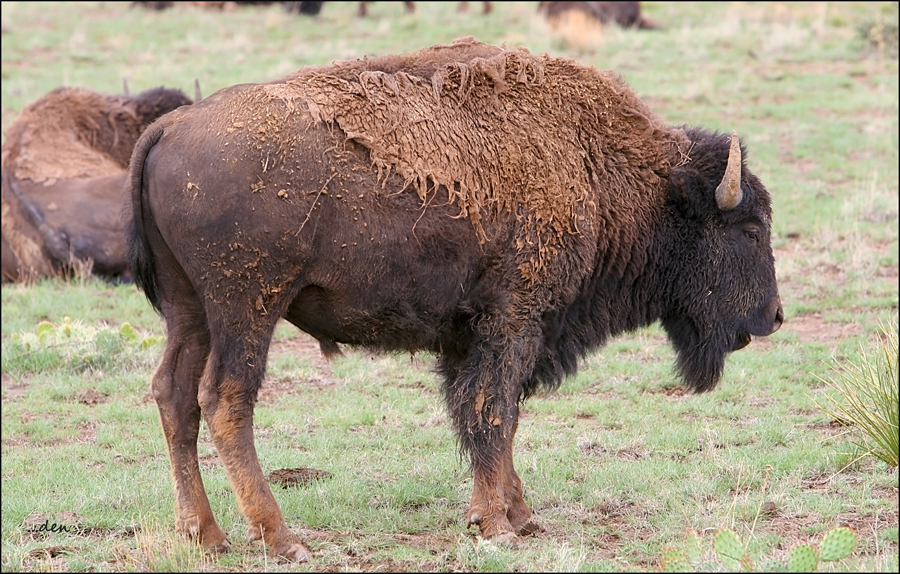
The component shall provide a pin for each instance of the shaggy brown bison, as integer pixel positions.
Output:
(65, 163)
(505, 211)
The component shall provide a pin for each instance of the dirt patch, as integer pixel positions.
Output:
(50, 551)
(209, 461)
(796, 528)
(288, 477)
(616, 523)
(814, 328)
(676, 392)
(352, 551)
(90, 397)
(12, 390)
(832, 428)
(87, 431)
(302, 347)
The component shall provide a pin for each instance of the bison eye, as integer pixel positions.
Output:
(751, 232)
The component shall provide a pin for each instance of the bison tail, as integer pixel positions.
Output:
(139, 219)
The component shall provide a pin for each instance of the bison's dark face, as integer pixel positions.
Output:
(722, 271)
(157, 102)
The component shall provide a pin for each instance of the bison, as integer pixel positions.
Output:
(410, 8)
(64, 166)
(625, 14)
(505, 211)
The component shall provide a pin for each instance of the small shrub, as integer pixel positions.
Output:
(882, 36)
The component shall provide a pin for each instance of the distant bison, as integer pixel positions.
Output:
(65, 163)
(625, 14)
(508, 212)
(410, 7)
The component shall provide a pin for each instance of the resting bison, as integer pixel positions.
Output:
(505, 211)
(65, 163)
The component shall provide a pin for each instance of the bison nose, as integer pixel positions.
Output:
(779, 317)
(768, 319)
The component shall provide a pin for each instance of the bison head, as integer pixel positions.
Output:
(721, 268)
(155, 103)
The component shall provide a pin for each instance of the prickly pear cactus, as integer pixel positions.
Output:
(731, 551)
(728, 544)
(692, 547)
(685, 560)
(837, 544)
(675, 561)
(802, 558)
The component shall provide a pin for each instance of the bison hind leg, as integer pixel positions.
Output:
(175, 386)
(228, 390)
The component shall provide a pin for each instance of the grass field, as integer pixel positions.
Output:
(620, 463)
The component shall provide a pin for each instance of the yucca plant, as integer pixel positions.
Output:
(865, 397)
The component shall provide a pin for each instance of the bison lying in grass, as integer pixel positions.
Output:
(65, 163)
(505, 211)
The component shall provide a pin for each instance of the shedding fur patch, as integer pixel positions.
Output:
(504, 131)
(70, 133)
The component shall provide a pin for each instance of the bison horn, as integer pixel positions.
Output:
(125, 87)
(729, 193)
(197, 95)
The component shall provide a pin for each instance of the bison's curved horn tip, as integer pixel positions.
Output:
(125, 88)
(729, 193)
(197, 95)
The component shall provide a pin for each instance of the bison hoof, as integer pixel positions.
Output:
(283, 542)
(529, 529)
(506, 540)
(221, 547)
(211, 538)
(294, 552)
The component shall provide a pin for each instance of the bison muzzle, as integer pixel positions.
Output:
(505, 211)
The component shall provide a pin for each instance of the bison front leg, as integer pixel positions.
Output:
(498, 498)
(227, 402)
(489, 507)
(518, 513)
(483, 400)
(175, 387)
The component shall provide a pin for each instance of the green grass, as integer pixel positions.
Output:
(619, 464)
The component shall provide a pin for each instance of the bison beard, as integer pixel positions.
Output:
(506, 211)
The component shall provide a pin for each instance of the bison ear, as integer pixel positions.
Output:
(679, 184)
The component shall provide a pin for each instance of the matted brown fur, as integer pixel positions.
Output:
(72, 132)
(455, 108)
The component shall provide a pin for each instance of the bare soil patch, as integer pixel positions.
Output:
(302, 347)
